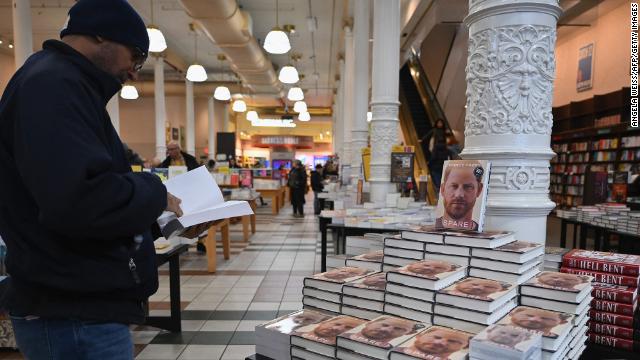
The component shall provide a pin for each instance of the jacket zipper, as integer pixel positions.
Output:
(134, 273)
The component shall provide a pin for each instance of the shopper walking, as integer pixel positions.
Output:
(80, 251)
(434, 146)
(317, 186)
(297, 183)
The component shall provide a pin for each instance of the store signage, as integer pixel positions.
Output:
(287, 123)
(300, 142)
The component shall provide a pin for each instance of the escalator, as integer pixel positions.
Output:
(419, 111)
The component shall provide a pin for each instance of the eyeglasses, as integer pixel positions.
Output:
(138, 57)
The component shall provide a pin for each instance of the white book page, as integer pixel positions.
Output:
(196, 189)
(225, 210)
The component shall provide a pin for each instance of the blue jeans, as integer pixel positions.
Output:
(41, 339)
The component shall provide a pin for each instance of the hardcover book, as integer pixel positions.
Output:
(611, 318)
(475, 316)
(463, 193)
(611, 341)
(611, 330)
(410, 291)
(457, 324)
(376, 337)
(613, 307)
(320, 304)
(558, 286)
(615, 293)
(371, 260)
(504, 266)
(487, 239)
(409, 303)
(435, 342)
(427, 274)
(288, 324)
(407, 313)
(477, 294)
(607, 278)
(369, 287)
(321, 337)
(516, 252)
(554, 326)
(333, 280)
(427, 234)
(361, 313)
(505, 276)
(552, 304)
(606, 262)
(501, 341)
(554, 254)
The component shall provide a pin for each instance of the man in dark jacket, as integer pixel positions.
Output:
(177, 157)
(297, 183)
(80, 253)
(317, 186)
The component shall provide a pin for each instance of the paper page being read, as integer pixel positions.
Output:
(196, 189)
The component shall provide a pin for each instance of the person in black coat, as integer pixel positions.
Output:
(317, 186)
(177, 157)
(434, 146)
(298, 184)
(79, 245)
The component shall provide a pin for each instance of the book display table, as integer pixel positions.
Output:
(249, 221)
(210, 242)
(274, 195)
(173, 322)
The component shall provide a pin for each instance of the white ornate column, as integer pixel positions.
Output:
(360, 129)
(113, 108)
(384, 95)
(22, 32)
(225, 119)
(510, 72)
(348, 96)
(160, 107)
(212, 129)
(338, 132)
(191, 118)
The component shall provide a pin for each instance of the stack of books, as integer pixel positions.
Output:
(273, 338)
(432, 343)
(614, 317)
(374, 339)
(364, 298)
(411, 289)
(553, 258)
(356, 245)
(409, 247)
(563, 292)
(554, 327)
(336, 261)
(318, 341)
(515, 262)
(370, 260)
(506, 342)
(323, 291)
(457, 246)
(472, 304)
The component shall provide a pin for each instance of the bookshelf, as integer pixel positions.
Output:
(588, 136)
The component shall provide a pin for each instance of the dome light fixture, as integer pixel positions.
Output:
(304, 116)
(252, 115)
(239, 106)
(369, 116)
(295, 94)
(277, 41)
(288, 75)
(300, 106)
(157, 42)
(222, 93)
(196, 73)
(129, 92)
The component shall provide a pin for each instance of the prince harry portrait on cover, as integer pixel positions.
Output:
(461, 188)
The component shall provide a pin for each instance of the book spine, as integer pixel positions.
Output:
(611, 318)
(606, 278)
(611, 330)
(611, 341)
(616, 295)
(612, 307)
(600, 265)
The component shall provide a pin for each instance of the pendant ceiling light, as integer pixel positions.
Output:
(277, 41)
(196, 72)
(129, 92)
(252, 115)
(222, 92)
(304, 116)
(239, 106)
(157, 43)
(288, 75)
(300, 106)
(369, 116)
(295, 94)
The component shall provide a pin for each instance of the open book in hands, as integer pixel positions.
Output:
(202, 203)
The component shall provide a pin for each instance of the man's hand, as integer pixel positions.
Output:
(173, 204)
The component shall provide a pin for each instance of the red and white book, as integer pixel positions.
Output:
(611, 318)
(608, 262)
(616, 293)
(611, 330)
(613, 307)
(607, 278)
(611, 341)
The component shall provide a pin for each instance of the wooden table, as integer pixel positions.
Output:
(210, 243)
(283, 191)
(249, 220)
(274, 195)
(172, 323)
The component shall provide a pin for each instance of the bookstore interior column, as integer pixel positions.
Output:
(338, 134)
(212, 128)
(190, 118)
(113, 108)
(510, 72)
(160, 106)
(347, 114)
(360, 130)
(23, 35)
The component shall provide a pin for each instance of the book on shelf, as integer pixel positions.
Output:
(320, 338)
(410, 291)
(612, 318)
(554, 326)
(504, 266)
(333, 280)
(408, 313)
(202, 202)
(613, 330)
(434, 342)
(371, 260)
(360, 312)
(614, 342)
(614, 307)
(427, 274)
(376, 337)
(558, 286)
(457, 324)
(487, 239)
(501, 341)
(479, 317)
(606, 262)
(602, 277)
(448, 249)
(321, 305)
(515, 252)
(615, 293)
(477, 294)
(463, 212)
(369, 287)
(504, 276)
(353, 301)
